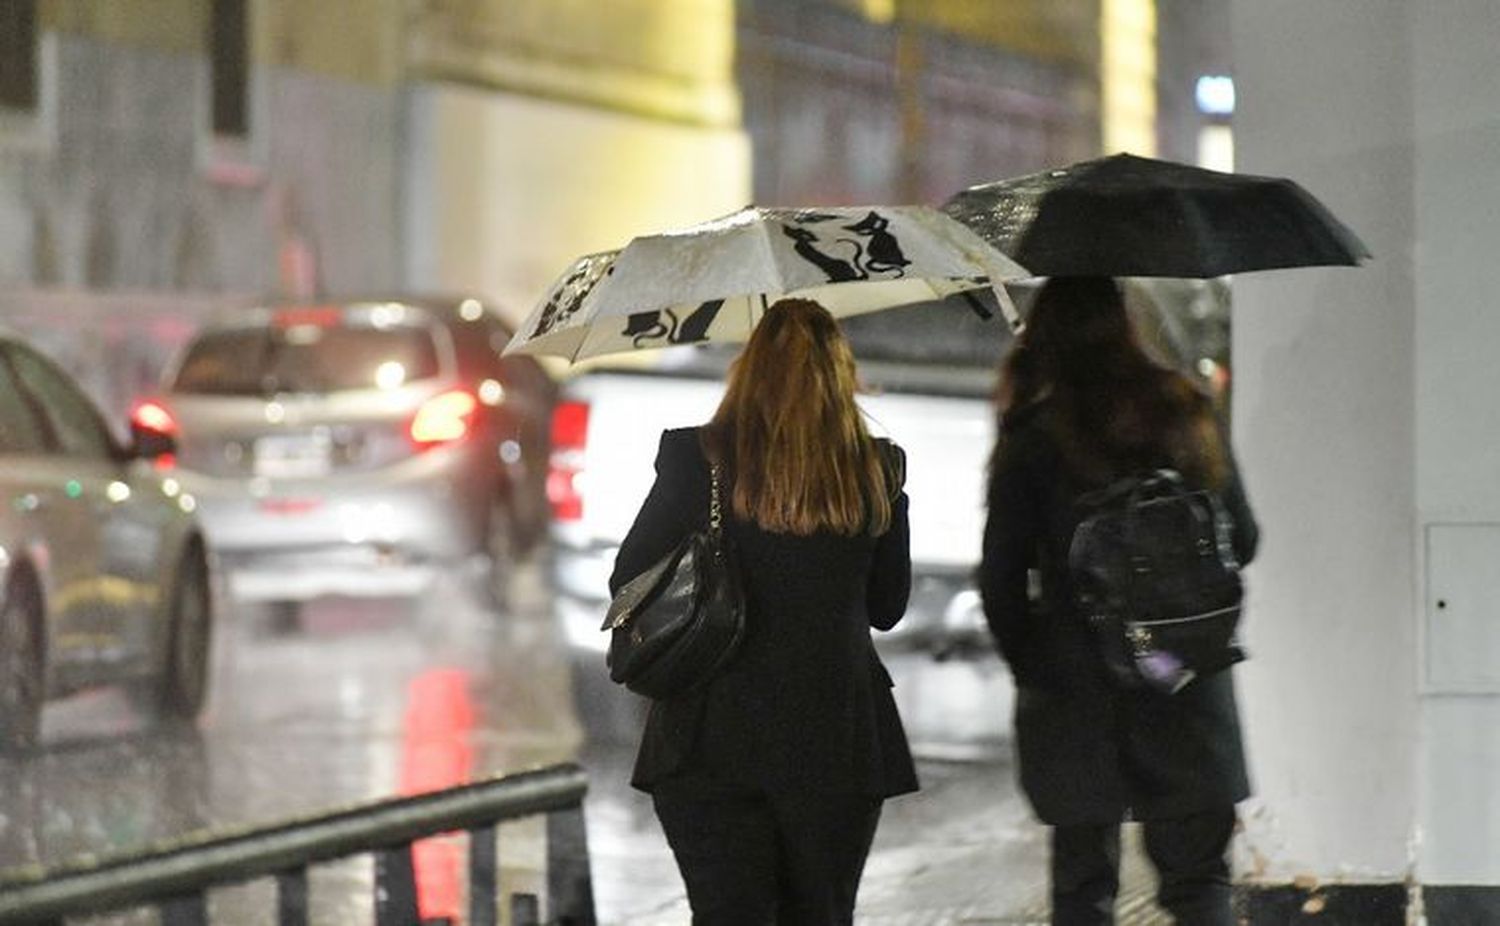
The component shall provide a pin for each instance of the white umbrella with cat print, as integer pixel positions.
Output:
(712, 282)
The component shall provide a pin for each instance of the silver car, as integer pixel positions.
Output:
(105, 573)
(360, 448)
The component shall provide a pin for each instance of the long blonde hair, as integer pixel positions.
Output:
(791, 433)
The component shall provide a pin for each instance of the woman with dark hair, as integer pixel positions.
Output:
(1080, 405)
(769, 780)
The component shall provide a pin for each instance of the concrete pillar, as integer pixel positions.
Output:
(1368, 426)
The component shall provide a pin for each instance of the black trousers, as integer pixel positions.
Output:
(755, 859)
(1191, 859)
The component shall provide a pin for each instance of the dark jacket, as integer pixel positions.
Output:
(805, 703)
(1088, 751)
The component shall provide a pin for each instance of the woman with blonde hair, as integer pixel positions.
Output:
(768, 781)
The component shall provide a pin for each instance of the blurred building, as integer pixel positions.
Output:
(866, 102)
(538, 130)
(189, 146)
(161, 158)
(1195, 82)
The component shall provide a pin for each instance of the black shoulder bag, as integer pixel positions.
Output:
(673, 626)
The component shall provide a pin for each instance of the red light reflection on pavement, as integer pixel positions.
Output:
(435, 754)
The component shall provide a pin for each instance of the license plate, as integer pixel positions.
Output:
(288, 456)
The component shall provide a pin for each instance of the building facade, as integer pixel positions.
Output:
(220, 148)
(163, 159)
(269, 147)
(189, 155)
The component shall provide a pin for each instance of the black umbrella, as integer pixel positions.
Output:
(1131, 216)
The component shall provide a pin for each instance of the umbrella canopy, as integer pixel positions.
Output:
(1131, 216)
(712, 282)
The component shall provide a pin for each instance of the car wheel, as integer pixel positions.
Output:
(184, 683)
(21, 670)
(499, 551)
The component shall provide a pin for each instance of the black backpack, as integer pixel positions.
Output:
(1155, 575)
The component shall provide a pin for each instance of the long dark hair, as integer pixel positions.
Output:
(1112, 408)
(788, 424)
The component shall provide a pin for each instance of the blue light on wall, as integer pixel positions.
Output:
(1215, 95)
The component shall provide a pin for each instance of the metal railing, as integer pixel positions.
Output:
(177, 877)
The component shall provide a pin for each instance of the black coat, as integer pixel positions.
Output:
(805, 704)
(1090, 753)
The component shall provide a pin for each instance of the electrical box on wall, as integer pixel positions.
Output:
(1462, 610)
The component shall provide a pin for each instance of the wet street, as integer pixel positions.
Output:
(370, 699)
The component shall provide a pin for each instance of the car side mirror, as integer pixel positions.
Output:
(151, 445)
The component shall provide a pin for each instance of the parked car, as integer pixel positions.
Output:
(360, 448)
(105, 573)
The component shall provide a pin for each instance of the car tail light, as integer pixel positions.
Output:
(152, 416)
(444, 418)
(290, 506)
(570, 426)
(155, 430)
(319, 316)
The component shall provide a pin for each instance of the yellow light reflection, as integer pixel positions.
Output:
(1216, 147)
(880, 11)
(303, 335)
(1127, 76)
(108, 590)
(470, 310)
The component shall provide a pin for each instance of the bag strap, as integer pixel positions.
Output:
(715, 509)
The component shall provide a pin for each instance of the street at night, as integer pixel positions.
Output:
(1031, 458)
(374, 698)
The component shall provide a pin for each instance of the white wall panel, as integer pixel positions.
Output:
(1368, 425)
(1325, 422)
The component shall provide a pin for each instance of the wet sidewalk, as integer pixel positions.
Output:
(964, 850)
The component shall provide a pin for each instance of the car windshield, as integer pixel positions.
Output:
(306, 358)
